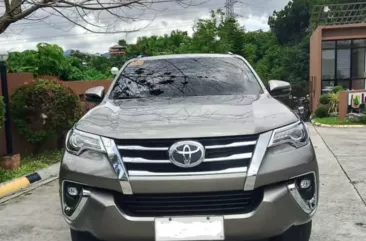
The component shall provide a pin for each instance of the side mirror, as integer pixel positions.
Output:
(279, 88)
(95, 94)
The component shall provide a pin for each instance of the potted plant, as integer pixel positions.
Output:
(356, 102)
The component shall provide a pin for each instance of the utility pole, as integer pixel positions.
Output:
(229, 5)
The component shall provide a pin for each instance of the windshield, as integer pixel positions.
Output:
(179, 77)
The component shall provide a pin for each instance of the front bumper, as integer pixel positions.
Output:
(98, 214)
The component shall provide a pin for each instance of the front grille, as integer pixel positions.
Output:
(209, 203)
(151, 157)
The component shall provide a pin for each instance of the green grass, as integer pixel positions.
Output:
(32, 163)
(334, 121)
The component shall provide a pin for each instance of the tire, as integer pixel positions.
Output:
(81, 236)
(295, 233)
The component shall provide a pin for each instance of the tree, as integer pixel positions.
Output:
(46, 60)
(291, 23)
(230, 33)
(206, 37)
(49, 59)
(77, 12)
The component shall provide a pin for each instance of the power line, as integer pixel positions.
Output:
(252, 5)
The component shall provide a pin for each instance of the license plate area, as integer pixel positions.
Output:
(189, 228)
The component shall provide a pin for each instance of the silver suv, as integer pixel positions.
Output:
(189, 147)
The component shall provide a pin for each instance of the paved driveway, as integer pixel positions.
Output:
(348, 146)
(342, 212)
(341, 215)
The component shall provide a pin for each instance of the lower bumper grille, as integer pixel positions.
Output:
(210, 203)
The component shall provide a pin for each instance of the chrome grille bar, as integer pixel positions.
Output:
(227, 158)
(235, 144)
(148, 173)
(143, 148)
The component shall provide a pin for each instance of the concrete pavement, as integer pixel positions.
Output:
(341, 214)
(348, 147)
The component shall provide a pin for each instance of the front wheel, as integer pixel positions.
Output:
(81, 236)
(295, 233)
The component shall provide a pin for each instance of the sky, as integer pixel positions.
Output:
(158, 19)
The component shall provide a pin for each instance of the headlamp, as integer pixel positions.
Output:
(294, 134)
(77, 142)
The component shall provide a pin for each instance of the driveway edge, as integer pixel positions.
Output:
(18, 184)
(337, 126)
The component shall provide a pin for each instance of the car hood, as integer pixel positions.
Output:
(187, 117)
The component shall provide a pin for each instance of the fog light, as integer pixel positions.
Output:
(305, 184)
(304, 191)
(68, 211)
(72, 191)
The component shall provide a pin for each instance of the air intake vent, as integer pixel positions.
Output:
(212, 203)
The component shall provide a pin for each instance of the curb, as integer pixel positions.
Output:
(18, 184)
(338, 126)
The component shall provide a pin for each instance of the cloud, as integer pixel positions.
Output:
(166, 17)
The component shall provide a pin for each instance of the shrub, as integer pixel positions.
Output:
(2, 112)
(337, 89)
(334, 102)
(322, 111)
(44, 109)
(325, 99)
(363, 119)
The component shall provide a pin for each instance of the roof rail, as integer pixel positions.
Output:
(230, 53)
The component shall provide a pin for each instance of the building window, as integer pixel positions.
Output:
(359, 43)
(358, 60)
(344, 63)
(344, 44)
(358, 84)
(327, 85)
(328, 44)
(328, 64)
(345, 83)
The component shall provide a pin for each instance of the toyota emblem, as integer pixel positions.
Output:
(187, 153)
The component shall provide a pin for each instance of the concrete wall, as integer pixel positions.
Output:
(315, 67)
(345, 101)
(15, 80)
